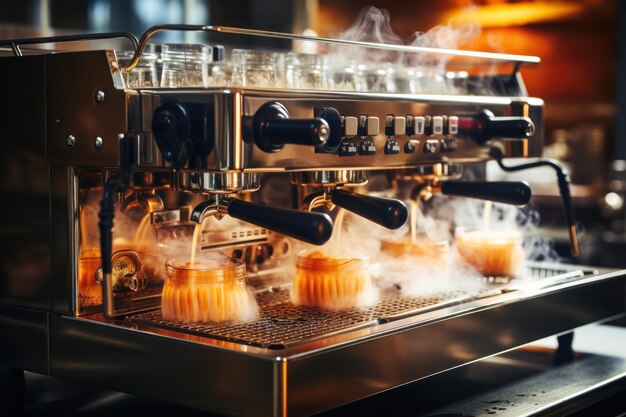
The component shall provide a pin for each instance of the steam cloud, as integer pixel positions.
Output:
(392, 71)
(423, 275)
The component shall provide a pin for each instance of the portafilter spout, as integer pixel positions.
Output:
(315, 228)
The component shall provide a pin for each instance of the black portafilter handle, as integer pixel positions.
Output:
(486, 126)
(272, 128)
(517, 193)
(315, 228)
(387, 212)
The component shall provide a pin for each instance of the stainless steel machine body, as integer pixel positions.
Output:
(61, 117)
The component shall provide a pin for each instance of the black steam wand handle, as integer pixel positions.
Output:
(315, 228)
(309, 132)
(386, 212)
(517, 193)
(563, 182)
(271, 128)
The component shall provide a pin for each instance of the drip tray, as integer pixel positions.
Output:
(281, 324)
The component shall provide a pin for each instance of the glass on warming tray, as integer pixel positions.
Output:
(209, 289)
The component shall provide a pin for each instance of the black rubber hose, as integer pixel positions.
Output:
(107, 212)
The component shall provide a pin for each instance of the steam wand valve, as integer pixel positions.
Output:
(315, 228)
(107, 212)
(563, 183)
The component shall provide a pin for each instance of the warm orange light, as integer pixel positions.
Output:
(518, 14)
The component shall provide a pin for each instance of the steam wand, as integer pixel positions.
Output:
(563, 182)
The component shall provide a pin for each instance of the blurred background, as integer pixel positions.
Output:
(580, 43)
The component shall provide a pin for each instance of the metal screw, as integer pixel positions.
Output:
(100, 96)
(70, 141)
(57, 121)
(98, 142)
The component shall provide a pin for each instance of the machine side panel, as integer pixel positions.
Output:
(24, 184)
(178, 371)
(24, 336)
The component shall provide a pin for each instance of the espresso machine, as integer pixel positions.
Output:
(84, 151)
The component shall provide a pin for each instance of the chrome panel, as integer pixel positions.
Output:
(24, 336)
(233, 153)
(294, 157)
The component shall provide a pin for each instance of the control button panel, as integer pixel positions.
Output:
(402, 132)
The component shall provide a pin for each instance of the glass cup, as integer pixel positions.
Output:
(348, 77)
(379, 78)
(332, 283)
(429, 256)
(220, 74)
(208, 290)
(185, 65)
(144, 74)
(306, 71)
(494, 253)
(252, 68)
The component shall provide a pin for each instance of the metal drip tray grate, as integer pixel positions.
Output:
(281, 324)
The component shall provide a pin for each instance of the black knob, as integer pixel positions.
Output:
(272, 128)
(517, 193)
(184, 133)
(171, 126)
(315, 228)
(487, 126)
(386, 212)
